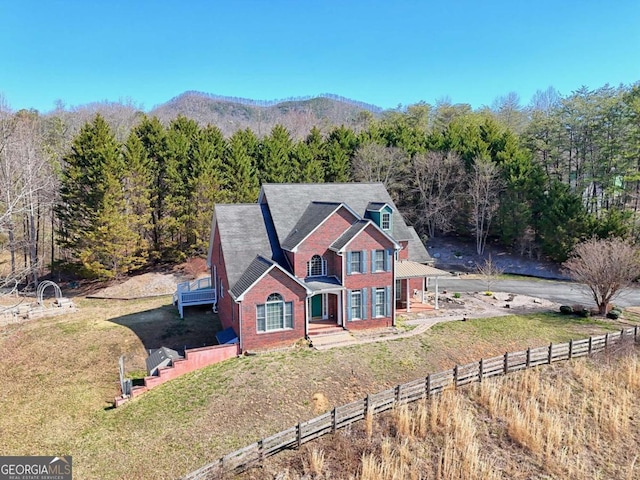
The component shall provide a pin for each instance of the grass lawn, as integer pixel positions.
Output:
(60, 375)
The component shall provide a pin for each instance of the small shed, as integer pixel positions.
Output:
(161, 357)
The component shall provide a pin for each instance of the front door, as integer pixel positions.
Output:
(316, 306)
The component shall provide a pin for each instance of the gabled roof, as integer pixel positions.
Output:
(353, 232)
(243, 235)
(257, 269)
(288, 201)
(376, 206)
(314, 216)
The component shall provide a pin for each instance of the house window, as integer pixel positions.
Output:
(356, 262)
(356, 304)
(386, 220)
(275, 314)
(379, 261)
(317, 266)
(380, 302)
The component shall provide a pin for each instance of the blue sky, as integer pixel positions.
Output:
(381, 52)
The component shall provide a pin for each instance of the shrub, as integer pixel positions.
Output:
(585, 313)
(613, 314)
(566, 310)
(488, 294)
(457, 295)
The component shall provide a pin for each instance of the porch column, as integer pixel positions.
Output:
(408, 297)
(436, 293)
(306, 317)
(424, 283)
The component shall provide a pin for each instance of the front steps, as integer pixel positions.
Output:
(324, 336)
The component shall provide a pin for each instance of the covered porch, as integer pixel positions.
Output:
(324, 306)
(412, 285)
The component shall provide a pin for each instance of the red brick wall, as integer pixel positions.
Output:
(225, 303)
(318, 243)
(369, 239)
(194, 359)
(404, 253)
(274, 282)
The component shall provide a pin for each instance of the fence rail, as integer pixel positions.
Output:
(432, 384)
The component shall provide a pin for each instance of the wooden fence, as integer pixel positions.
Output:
(434, 383)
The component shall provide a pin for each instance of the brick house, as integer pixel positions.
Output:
(312, 253)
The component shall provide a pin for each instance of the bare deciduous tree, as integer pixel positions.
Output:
(437, 181)
(605, 267)
(373, 162)
(489, 271)
(484, 185)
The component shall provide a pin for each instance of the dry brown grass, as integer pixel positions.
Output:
(577, 420)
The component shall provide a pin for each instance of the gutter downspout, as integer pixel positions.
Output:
(240, 325)
(393, 297)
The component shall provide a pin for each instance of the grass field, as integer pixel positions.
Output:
(60, 375)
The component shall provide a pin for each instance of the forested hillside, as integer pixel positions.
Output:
(113, 191)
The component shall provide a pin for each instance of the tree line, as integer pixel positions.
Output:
(112, 197)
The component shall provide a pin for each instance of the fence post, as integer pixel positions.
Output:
(570, 348)
(590, 344)
(455, 375)
(429, 385)
(333, 420)
(367, 403)
(299, 434)
(621, 335)
(550, 352)
(606, 341)
(397, 393)
(635, 332)
(481, 369)
(528, 357)
(506, 362)
(260, 450)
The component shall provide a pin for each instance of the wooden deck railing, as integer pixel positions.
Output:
(434, 383)
(197, 292)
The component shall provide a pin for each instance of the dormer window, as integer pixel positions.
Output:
(380, 214)
(317, 267)
(386, 221)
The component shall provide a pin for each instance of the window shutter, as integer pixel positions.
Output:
(373, 261)
(387, 301)
(260, 318)
(387, 260)
(363, 314)
(348, 263)
(363, 261)
(349, 305)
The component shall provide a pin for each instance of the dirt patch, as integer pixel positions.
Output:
(459, 254)
(146, 285)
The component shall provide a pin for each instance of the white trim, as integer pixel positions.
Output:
(273, 265)
(364, 226)
(340, 205)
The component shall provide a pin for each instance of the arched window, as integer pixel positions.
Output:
(275, 314)
(317, 266)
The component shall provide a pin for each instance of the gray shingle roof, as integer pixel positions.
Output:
(417, 251)
(351, 232)
(375, 206)
(313, 216)
(287, 202)
(243, 235)
(254, 271)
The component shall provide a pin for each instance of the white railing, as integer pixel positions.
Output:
(197, 292)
